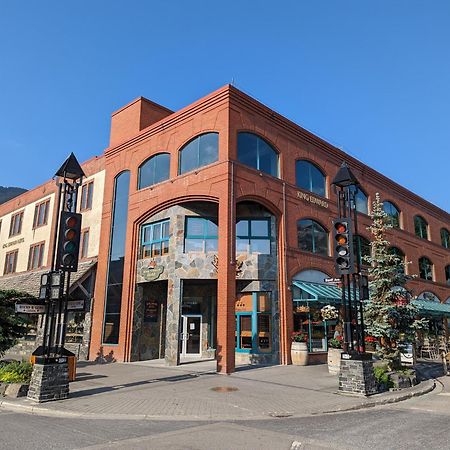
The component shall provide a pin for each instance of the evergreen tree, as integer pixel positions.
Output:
(12, 325)
(389, 316)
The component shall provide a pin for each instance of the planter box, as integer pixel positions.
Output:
(299, 354)
(13, 390)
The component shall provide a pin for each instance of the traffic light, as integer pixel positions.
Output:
(68, 242)
(343, 246)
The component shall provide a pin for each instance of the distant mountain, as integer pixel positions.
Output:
(7, 193)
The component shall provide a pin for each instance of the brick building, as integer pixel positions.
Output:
(215, 227)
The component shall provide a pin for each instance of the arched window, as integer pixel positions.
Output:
(364, 246)
(154, 170)
(445, 238)
(309, 177)
(447, 274)
(393, 214)
(361, 200)
(421, 227)
(257, 153)
(199, 152)
(426, 295)
(400, 255)
(312, 237)
(425, 268)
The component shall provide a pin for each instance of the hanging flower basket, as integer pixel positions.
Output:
(329, 312)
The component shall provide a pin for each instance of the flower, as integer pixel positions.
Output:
(329, 312)
(335, 342)
(370, 339)
(299, 336)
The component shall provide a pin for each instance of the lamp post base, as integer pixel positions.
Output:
(356, 374)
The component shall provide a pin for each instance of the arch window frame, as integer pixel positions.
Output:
(445, 238)
(155, 169)
(322, 190)
(421, 227)
(199, 153)
(359, 190)
(393, 220)
(314, 237)
(426, 272)
(258, 163)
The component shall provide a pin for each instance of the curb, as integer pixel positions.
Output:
(430, 385)
(38, 409)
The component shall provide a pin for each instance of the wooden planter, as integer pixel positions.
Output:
(334, 360)
(299, 354)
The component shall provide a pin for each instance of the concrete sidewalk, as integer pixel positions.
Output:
(149, 390)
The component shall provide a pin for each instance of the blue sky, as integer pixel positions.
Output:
(371, 77)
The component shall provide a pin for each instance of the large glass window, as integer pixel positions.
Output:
(312, 237)
(154, 170)
(393, 214)
(445, 238)
(257, 153)
(200, 234)
(199, 152)
(253, 322)
(155, 239)
(253, 236)
(421, 227)
(425, 269)
(113, 299)
(310, 178)
(360, 243)
(361, 200)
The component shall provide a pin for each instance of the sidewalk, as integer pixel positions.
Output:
(149, 390)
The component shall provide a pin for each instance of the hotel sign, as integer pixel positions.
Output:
(17, 241)
(151, 273)
(311, 199)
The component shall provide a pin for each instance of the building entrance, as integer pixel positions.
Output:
(190, 337)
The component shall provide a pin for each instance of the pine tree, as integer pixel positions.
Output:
(389, 316)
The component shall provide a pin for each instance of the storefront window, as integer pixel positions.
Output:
(199, 152)
(253, 236)
(200, 235)
(257, 153)
(155, 239)
(254, 322)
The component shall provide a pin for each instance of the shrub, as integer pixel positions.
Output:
(382, 376)
(299, 336)
(16, 372)
(335, 342)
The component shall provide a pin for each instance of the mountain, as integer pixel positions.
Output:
(7, 193)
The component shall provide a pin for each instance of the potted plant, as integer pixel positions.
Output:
(299, 349)
(334, 355)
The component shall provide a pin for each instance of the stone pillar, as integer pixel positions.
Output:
(172, 354)
(356, 375)
(49, 381)
(226, 284)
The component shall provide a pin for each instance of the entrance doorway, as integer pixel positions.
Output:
(191, 337)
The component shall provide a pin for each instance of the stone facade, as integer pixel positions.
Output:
(356, 377)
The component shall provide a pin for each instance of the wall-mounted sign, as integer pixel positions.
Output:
(150, 310)
(17, 241)
(73, 305)
(152, 272)
(311, 199)
(23, 308)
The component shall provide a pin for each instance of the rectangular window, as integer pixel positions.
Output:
(86, 196)
(155, 239)
(253, 236)
(36, 256)
(41, 214)
(15, 227)
(10, 262)
(84, 243)
(200, 234)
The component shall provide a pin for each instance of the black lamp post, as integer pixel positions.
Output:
(352, 281)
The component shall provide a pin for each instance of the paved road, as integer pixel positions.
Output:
(418, 423)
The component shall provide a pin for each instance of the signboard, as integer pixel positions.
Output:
(332, 280)
(23, 308)
(311, 199)
(73, 305)
(150, 311)
(151, 273)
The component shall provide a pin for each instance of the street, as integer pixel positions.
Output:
(417, 423)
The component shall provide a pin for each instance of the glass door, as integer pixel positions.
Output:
(191, 338)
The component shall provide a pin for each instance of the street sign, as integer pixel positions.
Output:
(75, 305)
(332, 280)
(23, 308)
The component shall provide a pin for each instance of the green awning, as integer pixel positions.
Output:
(316, 292)
(431, 308)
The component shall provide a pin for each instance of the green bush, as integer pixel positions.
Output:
(382, 376)
(16, 372)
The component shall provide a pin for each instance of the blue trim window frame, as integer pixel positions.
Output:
(200, 234)
(155, 239)
(253, 332)
(253, 235)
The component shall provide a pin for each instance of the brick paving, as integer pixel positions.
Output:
(151, 390)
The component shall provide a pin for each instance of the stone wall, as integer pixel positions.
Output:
(356, 377)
